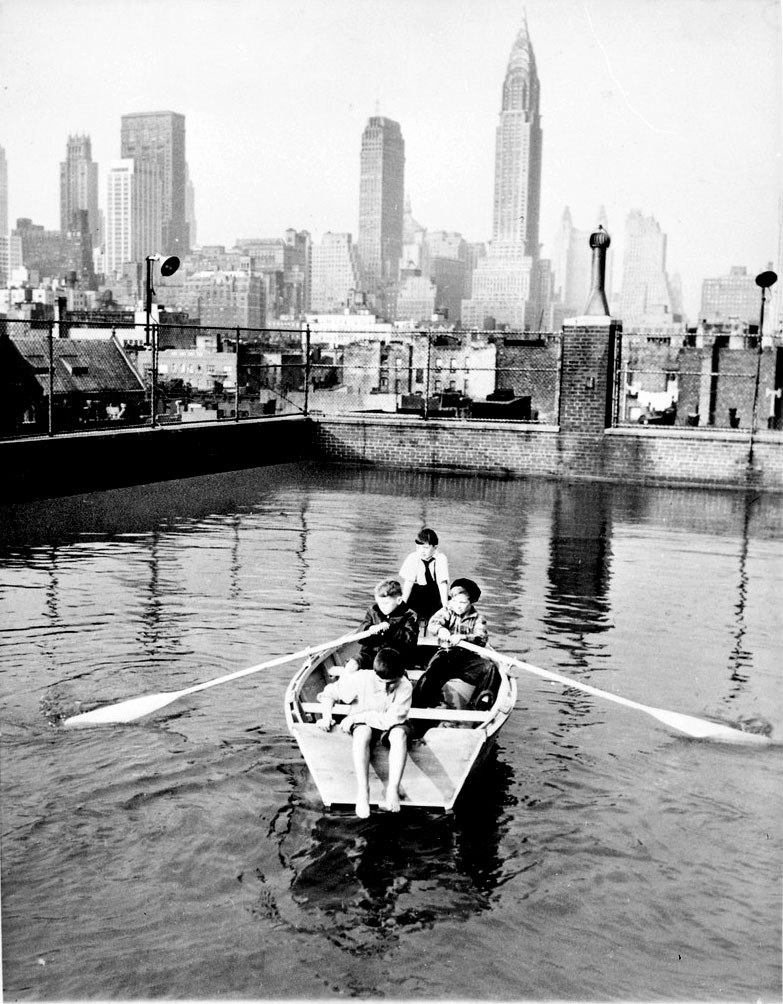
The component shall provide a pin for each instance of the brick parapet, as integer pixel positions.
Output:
(648, 455)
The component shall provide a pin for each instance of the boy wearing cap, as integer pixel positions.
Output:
(425, 576)
(458, 621)
(381, 699)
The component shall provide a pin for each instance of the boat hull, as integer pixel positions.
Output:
(439, 764)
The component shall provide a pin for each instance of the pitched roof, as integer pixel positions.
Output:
(86, 366)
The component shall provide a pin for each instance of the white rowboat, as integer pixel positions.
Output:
(438, 765)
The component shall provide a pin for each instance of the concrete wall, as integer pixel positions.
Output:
(648, 455)
(69, 465)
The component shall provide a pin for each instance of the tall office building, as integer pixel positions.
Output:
(334, 274)
(3, 193)
(729, 297)
(5, 250)
(645, 296)
(155, 142)
(119, 217)
(79, 188)
(572, 264)
(225, 299)
(501, 282)
(381, 209)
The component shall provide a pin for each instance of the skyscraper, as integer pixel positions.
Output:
(501, 283)
(335, 272)
(155, 141)
(381, 209)
(645, 297)
(79, 188)
(732, 296)
(3, 194)
(572, 261)
(5, 251)
(119, 216)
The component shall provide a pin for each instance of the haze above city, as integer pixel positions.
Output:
(672, 107)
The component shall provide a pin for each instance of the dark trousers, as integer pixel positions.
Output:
(448, 664)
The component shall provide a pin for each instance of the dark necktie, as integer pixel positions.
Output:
(428, 577)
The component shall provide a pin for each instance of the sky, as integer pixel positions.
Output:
(671, 107)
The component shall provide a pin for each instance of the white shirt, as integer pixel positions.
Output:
(380, 708)
(413, 569)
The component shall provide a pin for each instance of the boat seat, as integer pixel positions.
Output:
(413, 674)
(428, 714)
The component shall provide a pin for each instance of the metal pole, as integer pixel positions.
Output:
(763, 281)
(154, 380)
(307, 369)
(50, 421)
(236, 382)
(149, 338)
(758, 378)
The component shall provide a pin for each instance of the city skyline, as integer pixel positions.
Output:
(671, 108)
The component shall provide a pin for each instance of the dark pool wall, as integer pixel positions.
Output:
(67, 465)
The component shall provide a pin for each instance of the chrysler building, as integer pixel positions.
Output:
(502, 281)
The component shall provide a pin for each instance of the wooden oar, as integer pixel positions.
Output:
(699, 728)
(137, 707)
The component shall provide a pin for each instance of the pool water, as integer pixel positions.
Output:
(599, 856)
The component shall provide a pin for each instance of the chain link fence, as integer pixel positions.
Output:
(729, 383)
(72, 375)
(76, 376)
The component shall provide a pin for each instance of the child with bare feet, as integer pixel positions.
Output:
(380, 699)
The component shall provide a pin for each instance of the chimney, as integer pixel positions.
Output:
(596, 301)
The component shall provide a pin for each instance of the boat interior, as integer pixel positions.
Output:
(455, 710)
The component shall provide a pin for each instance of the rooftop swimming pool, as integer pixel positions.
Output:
(600, 856)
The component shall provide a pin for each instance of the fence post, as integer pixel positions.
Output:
(236, 382)
(427, 376)
(50, 419)
(154, 376)
(307, 370)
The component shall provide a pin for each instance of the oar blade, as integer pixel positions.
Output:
(125, 711)
(700, 728)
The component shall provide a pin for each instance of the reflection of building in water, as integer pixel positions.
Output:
(367, 883)
(579, 568)
(741, 659)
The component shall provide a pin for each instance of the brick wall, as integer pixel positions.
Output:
(587, 368)
(648, 455)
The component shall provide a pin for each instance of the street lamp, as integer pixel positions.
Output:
(168, 266)
(763, 280)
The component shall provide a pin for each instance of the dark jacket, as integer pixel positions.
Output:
(402, 634)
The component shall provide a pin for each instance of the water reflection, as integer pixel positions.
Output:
(740, 658)
(362, 882)
(579, 570)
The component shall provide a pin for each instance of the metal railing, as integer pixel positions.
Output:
(719, 386)
(176, 373)
(53, 382)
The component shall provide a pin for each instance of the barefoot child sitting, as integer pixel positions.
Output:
(381, 700)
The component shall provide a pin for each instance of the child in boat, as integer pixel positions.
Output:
(458, 621)
(382, 699)
(394, 624)
(425, 576)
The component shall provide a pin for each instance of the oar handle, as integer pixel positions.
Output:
(279, 661)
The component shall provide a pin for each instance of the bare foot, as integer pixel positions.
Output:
(391, 803)
(362, 808)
